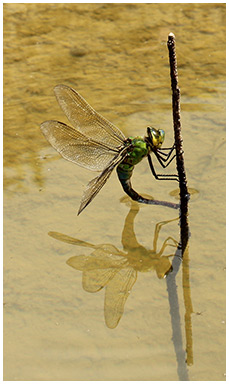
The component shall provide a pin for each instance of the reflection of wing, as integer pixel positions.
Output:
(109, 249)
(76, 147)
(116, 295)
(95, 280)
(98, 268)
(98, 182)
(77, 262)
(85, 118)
(70, 240)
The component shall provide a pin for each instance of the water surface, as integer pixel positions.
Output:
(116, 56)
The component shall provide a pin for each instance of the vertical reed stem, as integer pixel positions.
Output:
(184, 195)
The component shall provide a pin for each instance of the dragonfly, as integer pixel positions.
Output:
(96, 144)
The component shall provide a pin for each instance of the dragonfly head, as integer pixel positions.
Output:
(155, 137)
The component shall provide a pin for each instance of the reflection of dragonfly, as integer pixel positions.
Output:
(96, 144)
(117, 270)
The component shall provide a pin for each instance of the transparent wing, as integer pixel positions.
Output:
(94, 281)
(98, 182)
(84, 118)
(77, 262)
(98, 268)
(76, 147)
(106, 248)
(117, 292)
(70, 240)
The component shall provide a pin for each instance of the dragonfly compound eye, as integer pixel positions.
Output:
(157, 136)
(161, 136)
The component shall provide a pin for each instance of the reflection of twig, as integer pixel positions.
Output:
(182, 358)
(188, 306)
(184, 195)
(175, 318)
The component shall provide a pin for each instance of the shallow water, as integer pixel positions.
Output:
(116, 56)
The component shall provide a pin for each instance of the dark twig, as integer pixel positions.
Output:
(184, 195)
(184, 229)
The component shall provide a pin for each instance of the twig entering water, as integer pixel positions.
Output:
(184, 195)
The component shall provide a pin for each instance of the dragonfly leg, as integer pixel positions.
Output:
(160, 176)
(157, 231)
(166, 244)
(162, 161)
(164, 157)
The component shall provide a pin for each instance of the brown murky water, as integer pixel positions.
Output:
(116, 56)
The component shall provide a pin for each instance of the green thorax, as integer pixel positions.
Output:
(139, 150)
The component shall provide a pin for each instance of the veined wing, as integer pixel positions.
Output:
(70, 240)
(98, 182)
(100, 269)
(106, 248)
(84, 118)
(117, 292)
(76, 147)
